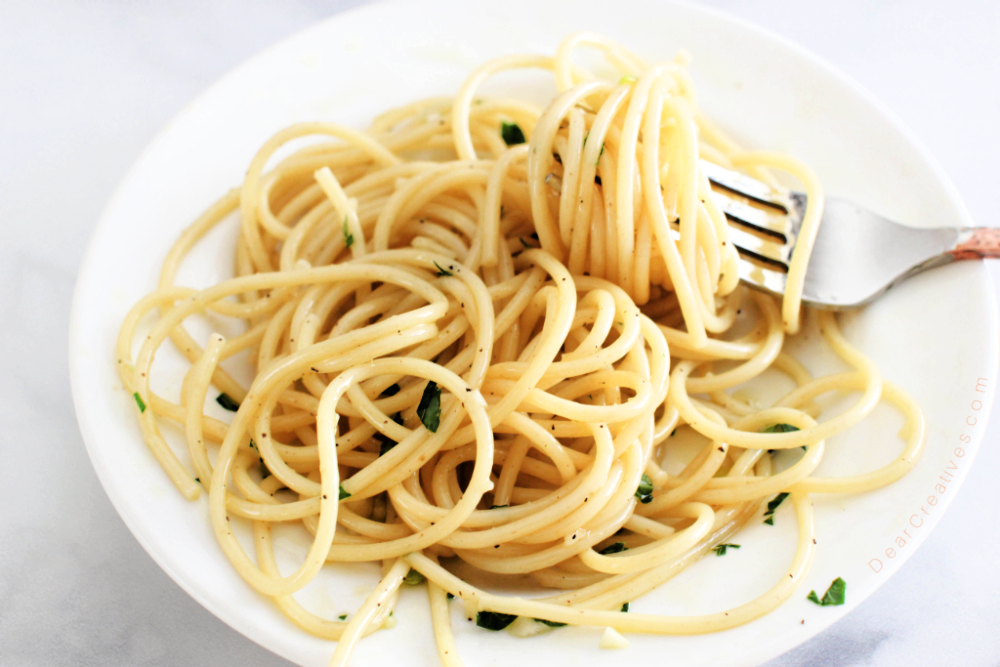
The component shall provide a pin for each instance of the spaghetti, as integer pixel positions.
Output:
(475, 327)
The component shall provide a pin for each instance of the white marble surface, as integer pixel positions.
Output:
(85, 85)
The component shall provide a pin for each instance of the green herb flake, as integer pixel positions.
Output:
(626, 79)
(343, 494)
(451, 596)
(348, 236)
(599, 156)
(139, 402)
(429, 408)
(769, 520)
(498, 507)
(511, 133)
(773, 504)
(492, 620)
(391, 390)
(645, 491)
(780, 428)
(343, 617)
(442, 272)
(414, 578)
(615, 548)
(835, 594)
(227, 402)
(551, 624)
(720, 549)
(625, 607)
(387, 442)
(198, 479)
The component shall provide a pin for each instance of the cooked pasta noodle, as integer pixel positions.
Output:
(474, 328)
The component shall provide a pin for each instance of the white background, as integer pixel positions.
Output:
(85, 85)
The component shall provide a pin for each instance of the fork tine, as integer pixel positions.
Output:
(764, 236)
(776, 225)
(744, 185)
(762, 250)
(768, 250)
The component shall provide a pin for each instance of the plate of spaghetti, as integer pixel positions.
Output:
(387, 351)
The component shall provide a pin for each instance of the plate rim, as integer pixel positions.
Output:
(99, 232)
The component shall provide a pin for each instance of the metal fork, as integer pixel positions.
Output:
(858, 255)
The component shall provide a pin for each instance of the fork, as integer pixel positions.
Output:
(858, 254)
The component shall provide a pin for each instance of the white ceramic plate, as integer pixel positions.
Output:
(936, 335)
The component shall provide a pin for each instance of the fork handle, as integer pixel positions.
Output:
(977, 243)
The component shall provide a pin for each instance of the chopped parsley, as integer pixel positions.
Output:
(599, 155)
(343, 494)
(780, 428)
(615, 548)
(343, 617)
(227, 402)
(451, 596)
(498, 507)
(720, 549)
(442, 272)
(492, 620)
(198, 479)
(387, 442)
(264, 472)
(834, 595)
(414, 578)
(551, 624)
(511, 133)
(645, 491)
(625, 607)
(391, 390)
(139, 402)
(429, 408)
(348, 236)
(773, 504)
